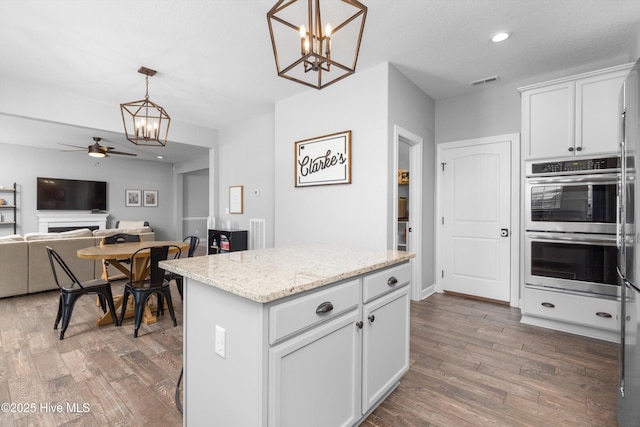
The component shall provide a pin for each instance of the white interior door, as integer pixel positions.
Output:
(475, 197)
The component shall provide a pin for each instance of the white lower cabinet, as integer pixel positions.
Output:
(314, 379)
(325, 358)
(339, 370)
(385, 355)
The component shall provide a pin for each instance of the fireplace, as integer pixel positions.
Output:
(65, 221)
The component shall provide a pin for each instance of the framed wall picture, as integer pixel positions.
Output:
(132, 197)
(235, 199)
(150, 198)
(323, 160)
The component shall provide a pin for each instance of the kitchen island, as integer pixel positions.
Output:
(310, 335)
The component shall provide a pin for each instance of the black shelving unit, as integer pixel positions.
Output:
(221, 241)
(9, 207)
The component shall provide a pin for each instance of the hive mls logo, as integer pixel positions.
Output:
(78, 408)
(323, 160)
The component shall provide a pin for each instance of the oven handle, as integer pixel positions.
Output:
(570, 237)
(568, 179)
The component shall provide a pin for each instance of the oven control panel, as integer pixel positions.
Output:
(581, 166)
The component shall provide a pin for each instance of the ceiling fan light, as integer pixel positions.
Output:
(96, 152)
(500, 36)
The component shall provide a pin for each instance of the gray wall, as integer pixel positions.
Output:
(413, 110)
(23, 164)
(246, 157)
(346, 214)
(495, 109)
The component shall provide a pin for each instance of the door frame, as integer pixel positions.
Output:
(515, 208)
(415, 143)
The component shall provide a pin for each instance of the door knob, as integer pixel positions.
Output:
(504, 232)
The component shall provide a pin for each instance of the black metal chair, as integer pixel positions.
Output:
(142, 289)
(194, 241)
(120, 238)
(115, 239)
(70, 293)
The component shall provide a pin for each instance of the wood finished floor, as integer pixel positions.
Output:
(472, 363)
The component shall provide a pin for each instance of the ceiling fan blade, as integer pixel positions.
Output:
(121, 152)
(75, 146)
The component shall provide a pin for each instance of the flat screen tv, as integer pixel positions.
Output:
(71, 195)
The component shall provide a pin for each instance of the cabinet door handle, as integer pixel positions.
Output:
(603, 314)
(570, 148)
(392, 281)
(547, 304)
(371, 318)
(578, 148)
(359, 325)
(325, 307)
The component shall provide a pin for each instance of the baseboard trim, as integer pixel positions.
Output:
(474, 297)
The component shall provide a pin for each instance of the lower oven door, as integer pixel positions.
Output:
(584, 263)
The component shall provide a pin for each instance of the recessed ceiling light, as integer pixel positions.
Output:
(500, 37)
(160, 157)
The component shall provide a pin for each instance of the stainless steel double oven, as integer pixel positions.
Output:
(571, 209)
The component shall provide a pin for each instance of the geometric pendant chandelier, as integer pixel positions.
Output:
(145, 122)
(313, 47)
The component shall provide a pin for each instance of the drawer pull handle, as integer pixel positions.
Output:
(603, 314)
(371, 318)
(325, 307)
(547, 304)
(392, 281)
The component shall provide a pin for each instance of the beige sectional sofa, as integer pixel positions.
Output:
(24, 265)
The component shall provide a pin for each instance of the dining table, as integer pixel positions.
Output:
(137, 271)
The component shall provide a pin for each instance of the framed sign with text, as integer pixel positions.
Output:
(323, 160)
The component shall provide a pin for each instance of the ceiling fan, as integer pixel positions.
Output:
(97, 150)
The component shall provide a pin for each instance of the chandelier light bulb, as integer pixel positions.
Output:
(327, 30)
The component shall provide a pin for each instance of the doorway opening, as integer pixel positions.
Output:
(407, 205)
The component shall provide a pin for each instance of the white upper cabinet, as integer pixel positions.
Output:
(575, 116)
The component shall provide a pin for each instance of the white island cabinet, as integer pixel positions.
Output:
(295, 336)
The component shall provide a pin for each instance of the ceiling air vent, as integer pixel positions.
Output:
(483, 81)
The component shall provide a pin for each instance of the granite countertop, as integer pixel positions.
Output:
(266, 275)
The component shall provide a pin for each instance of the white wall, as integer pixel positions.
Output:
(246, 157)
(23, 164)
(350, 214)
(413, 110)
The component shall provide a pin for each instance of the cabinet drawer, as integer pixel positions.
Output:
(293, 316)
(578, 309)
(385, 281)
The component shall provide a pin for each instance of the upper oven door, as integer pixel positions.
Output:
(572, 203)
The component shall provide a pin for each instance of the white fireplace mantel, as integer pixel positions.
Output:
(48, 220)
